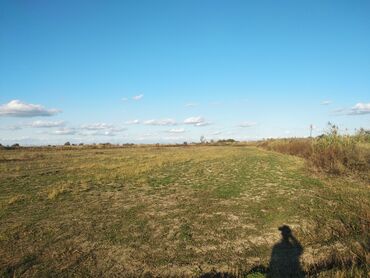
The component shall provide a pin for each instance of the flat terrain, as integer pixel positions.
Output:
(171, 211)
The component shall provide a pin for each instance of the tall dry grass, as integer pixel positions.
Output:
(332, 152)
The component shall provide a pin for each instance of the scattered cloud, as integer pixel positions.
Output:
(338, 110)
(17, 108)
(102, 129)
(103, 133)
(14, 127)
(176, 130)
(138, 97)
(216, 132)
(247, 124)
(360, 109)
(124, 99)
(97, 126)
(65, 131)
(161, 122)
(326, 102)
(97, 129)
(202, 124)
(47, 124)
(37, 124)
(196, 121)
(132, 122)
(117, 129)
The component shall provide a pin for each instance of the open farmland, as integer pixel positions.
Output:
(171, 211)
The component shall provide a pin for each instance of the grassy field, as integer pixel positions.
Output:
(176, 211)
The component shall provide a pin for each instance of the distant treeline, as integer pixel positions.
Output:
(111, 145)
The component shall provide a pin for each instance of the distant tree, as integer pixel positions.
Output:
(202, 139)
(67, 144)
(15, 145)
(226, 141)
(185, 143)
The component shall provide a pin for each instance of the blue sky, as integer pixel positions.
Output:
(70, 70)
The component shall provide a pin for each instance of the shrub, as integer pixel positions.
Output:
(299, 147)
(331, 152)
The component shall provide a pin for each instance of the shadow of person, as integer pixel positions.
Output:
(285, 256)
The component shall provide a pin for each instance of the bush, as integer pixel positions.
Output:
(298, 147)
(332, 152)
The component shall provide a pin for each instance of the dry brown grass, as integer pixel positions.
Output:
(332, 153)
(299, 147)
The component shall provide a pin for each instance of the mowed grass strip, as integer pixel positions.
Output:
(170, 211)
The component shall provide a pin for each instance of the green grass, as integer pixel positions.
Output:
(171, 211)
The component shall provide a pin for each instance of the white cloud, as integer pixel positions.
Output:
(138, 97)
(247, 124)
(326, 102)
(360, 109)
(104, 133)
(216, 132)
(132, 122)
(17, 108)
(65, 131)
(117, 129)
(124, 99)
(47, 124)
(161, 122)
(101, 129)
(176, 130)
(194, 121)
(97, 126)
(202, 124)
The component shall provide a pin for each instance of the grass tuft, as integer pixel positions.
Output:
(57, 190)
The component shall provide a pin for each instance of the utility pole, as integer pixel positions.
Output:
(311, 128)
